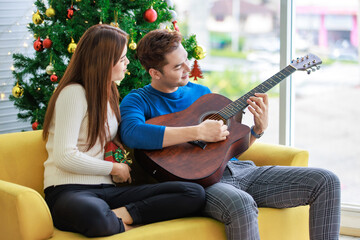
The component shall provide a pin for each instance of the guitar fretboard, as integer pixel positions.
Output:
(233, 108)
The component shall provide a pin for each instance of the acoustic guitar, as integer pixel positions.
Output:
(204, 162)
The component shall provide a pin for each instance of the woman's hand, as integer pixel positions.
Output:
(118, 143)
(121, 173)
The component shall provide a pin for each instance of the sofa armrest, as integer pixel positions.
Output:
(270, 154)
(24, 213)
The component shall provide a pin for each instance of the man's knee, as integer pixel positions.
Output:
(229, 202)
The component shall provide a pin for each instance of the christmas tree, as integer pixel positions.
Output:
(59, 24)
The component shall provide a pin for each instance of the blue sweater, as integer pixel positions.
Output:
(145, 103)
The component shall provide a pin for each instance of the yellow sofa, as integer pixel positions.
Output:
(24, 214)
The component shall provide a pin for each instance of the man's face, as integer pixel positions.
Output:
(176, 72)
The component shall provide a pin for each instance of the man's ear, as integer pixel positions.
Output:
(155, 74)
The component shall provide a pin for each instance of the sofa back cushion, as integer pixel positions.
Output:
(22, 157)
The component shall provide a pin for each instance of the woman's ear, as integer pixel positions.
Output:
(155, 74)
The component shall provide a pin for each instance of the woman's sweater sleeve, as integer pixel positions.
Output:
(70, 110)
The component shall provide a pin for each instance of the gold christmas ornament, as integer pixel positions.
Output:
(72, 46)
(50, 69)
(50, 12)
(200, 52)
(114, 24)
(37, 18)
(17, 90)
(78, 1)
(132, 45)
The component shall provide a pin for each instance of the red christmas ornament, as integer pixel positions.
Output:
(35, 125)
(196, 71)
(47, 43)
(70, 12)
(150, 15)
(175, 26)
(54, 78)
(38, 45)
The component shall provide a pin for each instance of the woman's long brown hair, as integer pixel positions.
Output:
(98, 50)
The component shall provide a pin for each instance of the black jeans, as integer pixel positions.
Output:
(86, 209)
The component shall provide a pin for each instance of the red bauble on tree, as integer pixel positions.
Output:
(47, 43)
(35, 125)
(196, 71)
(54, 78)
(38, 45)
(150, 15)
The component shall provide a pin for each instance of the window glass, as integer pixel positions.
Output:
(242, 43)
(327, 111)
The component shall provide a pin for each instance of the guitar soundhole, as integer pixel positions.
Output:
(213, 116)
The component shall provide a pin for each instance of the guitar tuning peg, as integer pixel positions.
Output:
(308, 71)
(318, 67)
(313, 69)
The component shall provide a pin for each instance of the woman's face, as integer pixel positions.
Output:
(118, 71)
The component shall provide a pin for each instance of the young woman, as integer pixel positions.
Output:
(82, 116)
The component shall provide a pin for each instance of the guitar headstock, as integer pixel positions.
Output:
(307, 63)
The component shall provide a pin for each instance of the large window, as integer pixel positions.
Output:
(318, 112)
(327, 108)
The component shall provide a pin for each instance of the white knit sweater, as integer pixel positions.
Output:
(68, 161)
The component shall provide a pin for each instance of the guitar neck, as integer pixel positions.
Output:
(240, 104)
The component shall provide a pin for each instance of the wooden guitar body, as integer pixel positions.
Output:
(189, 162)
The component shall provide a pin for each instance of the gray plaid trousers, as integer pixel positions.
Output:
(244, 187)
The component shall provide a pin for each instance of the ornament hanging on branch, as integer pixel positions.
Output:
(132, 45)
(37, 18)
(17, 90)
(199, 53)
(196, 71)
(38, 45)
(174, 19)
(150, 15)
(70, 12)
(72, 46)
(50, 69)
(50, 12)
(35, 125)
(115, 22)
(54, 78)
(47, 43)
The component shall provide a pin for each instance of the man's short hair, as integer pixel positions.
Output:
(153, 47)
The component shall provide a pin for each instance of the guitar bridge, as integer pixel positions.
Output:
(198, 143)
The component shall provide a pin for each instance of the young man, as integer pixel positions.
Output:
(243, 187)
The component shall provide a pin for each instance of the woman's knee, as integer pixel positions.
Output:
(195, 193)
(89, 216)
(102, 223)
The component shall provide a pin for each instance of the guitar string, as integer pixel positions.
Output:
(231, 110)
